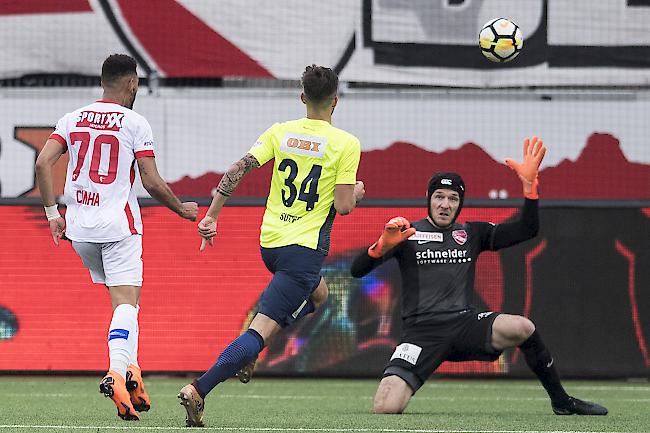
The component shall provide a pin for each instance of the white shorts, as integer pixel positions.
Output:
(113, 263)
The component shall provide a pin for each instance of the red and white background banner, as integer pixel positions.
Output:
(580, 83)
(583, 280)
(599, 145)
(578, 42)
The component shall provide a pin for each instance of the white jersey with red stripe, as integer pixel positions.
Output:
(103, 139)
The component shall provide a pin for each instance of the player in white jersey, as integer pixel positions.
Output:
(105, 140)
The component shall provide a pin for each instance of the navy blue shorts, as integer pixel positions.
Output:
(296, 274)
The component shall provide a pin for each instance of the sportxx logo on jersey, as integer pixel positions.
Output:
(102, 121)
(460, 236)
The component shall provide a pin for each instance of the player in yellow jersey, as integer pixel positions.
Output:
(314, 178)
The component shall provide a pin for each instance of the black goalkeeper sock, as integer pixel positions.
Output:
(541, 363)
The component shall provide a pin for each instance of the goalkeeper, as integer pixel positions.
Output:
(437, 259)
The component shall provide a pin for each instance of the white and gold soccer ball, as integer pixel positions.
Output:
(500, 40)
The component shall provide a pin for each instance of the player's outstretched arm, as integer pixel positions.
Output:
(396, 231)
(227, 185)
(44, 163)
(158, 188)
(534, 151)
(346, 197)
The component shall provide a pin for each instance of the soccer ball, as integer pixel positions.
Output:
(500, 40)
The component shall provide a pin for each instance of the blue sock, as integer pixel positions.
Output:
(238, 353)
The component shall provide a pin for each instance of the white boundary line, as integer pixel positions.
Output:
(326, 397)
(641, 387)
(281, 429)
(265, 382)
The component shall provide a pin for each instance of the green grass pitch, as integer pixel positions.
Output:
(73, 404)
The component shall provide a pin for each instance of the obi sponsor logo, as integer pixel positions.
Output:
(442, 256)
(306, 145)
(101, 121)
(87, 198)
(303, 144)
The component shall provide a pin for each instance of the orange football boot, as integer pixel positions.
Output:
(114, 386)
(135, 385)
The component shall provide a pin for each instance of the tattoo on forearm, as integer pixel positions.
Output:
(235, 173)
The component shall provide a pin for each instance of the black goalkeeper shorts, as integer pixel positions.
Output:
(426, 345)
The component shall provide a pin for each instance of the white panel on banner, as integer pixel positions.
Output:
(75, 43)
(606, 23)
(283, 36)
(443, 22)
(575, 43)
(202, 132)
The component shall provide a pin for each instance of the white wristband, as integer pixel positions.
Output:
(52, 212)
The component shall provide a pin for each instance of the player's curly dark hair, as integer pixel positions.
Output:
(319, 83)
(117, 66)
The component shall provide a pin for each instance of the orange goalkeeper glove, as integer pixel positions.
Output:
(534, 152)
(396, 231)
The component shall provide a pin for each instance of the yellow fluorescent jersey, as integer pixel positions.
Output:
(311, 157)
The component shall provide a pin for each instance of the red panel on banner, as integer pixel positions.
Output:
(20, 7)
(193, 49)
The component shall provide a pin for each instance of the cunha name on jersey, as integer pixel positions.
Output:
(88, 198)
